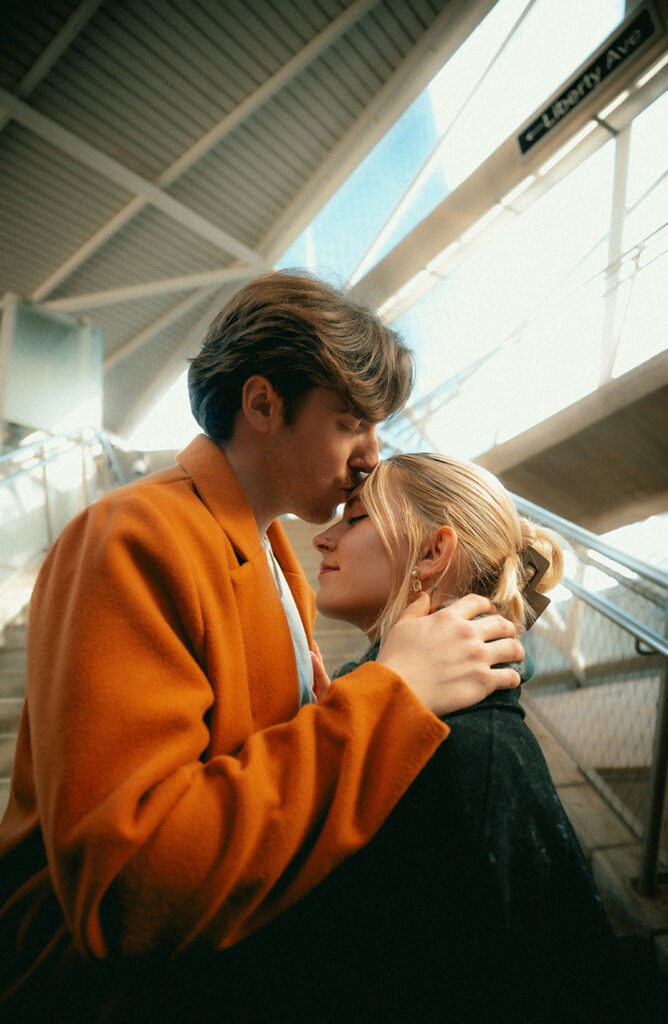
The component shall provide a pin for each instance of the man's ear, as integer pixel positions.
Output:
(261, 404)
(437, 553)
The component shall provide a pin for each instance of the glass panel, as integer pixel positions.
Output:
(340, 234)
(649, 155)
(555, 37)
(642, 302)
(169, 424)
(407, 174)
(529, 306)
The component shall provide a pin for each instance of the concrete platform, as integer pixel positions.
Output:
(612, 850)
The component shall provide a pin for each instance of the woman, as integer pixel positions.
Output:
(514, 930)
(436, 524)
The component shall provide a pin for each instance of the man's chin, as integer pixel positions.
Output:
(319, 517)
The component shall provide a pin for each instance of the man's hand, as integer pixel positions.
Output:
(321, 681)
(446, 658)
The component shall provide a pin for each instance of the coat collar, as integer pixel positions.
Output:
(218, 487)
(221, 492)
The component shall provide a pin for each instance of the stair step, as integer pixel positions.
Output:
(12, 659)
(10, 713)
(4, 796)
(7, 749)
(14, 635)
(12, 684)
(339, 649)
(12, 672)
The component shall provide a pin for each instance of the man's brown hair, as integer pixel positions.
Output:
(299, 333)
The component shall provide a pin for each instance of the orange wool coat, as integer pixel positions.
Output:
(167, 787)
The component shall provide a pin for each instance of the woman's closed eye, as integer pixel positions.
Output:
(356, 519)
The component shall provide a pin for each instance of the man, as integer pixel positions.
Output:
(176, 790)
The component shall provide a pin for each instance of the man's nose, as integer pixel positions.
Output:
(365, 456)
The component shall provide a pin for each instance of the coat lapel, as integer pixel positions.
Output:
(270, 656)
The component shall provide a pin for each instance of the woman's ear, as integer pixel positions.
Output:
(437, 554)
(261, 404)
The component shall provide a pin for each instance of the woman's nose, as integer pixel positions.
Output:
(322, 542)
(326, 541)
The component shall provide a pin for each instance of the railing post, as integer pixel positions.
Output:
(47, 507)
(84, 481)
(656, 789)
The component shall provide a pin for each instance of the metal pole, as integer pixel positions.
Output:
(84, 482)
(656, 789)
(47, 509)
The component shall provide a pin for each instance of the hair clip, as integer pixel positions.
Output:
(531, 559)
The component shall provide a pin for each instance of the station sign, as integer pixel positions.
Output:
(624, 45)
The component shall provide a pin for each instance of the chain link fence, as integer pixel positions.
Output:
(600, 682)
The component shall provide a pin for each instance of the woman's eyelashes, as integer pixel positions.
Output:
(356, 519)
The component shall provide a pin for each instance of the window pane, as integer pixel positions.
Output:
(340, 234)
(530, 305)
(388, 189)
(642, 302)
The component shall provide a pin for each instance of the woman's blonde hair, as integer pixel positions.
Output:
(410, 496)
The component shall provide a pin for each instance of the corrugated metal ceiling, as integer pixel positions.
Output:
(148, 140)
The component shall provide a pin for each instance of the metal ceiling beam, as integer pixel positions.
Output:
(128, 293)
(210, 139)
(509, 182)
(172, 367)
(273, 84)
(447, 33)
(606, 400)
(95, 242)
(101, 163)
(613, 323)
(167, 318)
(69, 31)
(404, 203)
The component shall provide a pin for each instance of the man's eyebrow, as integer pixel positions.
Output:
(344, 408)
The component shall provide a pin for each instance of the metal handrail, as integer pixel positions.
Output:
(5, 481)
(625, 621)
(43, 442)
(578, 535)
(64, 445)
(647, 593)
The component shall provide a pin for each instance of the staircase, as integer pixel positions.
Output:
(12, 691)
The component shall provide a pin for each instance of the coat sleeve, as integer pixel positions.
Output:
(157, 833)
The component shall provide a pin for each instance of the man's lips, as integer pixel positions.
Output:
(355, 482)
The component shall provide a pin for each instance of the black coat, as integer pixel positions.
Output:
(491, 908)
(472, 905)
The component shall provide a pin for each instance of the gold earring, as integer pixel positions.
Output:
(417, 585)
